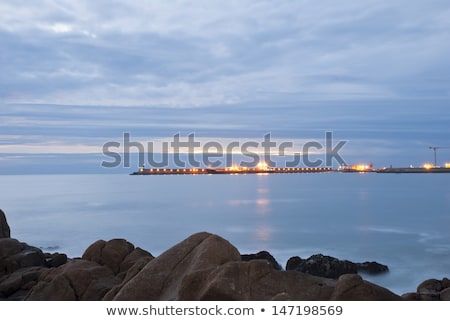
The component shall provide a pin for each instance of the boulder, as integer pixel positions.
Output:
(5, 231)
(293, 263)
(15, 255)
(351, 287)
(103, 267)
(110, 253)
(76, 280)
(372, 268)
(20, 268)
(322, 265)
(253, 280)
(331, 267)
(429, 290)
(161, 278)
(262, 255)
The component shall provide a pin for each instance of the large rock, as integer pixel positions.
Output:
(331, 267)
(163, 276)
(15, 255)
(103, 267)
(4, 227)
(372, 268)
(111, 253)
(20, 268)
(351, 287)
(322, 265)
(76, 280)
(429, 290)
(253, 280)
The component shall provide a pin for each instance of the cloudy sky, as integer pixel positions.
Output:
(77, 74)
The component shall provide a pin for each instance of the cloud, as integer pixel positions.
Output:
(78, 73)
(184, 54)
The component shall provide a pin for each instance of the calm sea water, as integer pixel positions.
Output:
(402, 221)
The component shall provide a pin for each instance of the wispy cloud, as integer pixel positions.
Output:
(185, 54)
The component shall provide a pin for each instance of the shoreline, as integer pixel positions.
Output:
(200, 267)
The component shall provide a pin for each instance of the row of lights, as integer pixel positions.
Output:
(234, 169)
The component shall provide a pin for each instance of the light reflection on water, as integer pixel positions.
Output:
(398, 220)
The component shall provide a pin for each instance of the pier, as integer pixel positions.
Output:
(230, 170)
(264, 169)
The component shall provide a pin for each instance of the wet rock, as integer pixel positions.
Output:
(372, 268)
(262, 255)
(322, 265)
(162, 277)
(5, 231)
(331, 267)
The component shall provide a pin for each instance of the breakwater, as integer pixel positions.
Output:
(230, 170)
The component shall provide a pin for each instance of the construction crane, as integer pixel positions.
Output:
(435, 148)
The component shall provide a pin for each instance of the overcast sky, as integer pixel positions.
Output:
(75, 74)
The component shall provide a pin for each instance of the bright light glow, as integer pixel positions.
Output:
(447, 165)
(262, 165)
(428, 166)
(234, 168)
(361, 167)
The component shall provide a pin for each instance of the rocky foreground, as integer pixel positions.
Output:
(202, 267)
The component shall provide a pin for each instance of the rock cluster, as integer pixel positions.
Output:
(431, 290)
(204, 266)
(102, 268)
(331, 267)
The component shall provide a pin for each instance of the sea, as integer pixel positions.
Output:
(400, 220)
